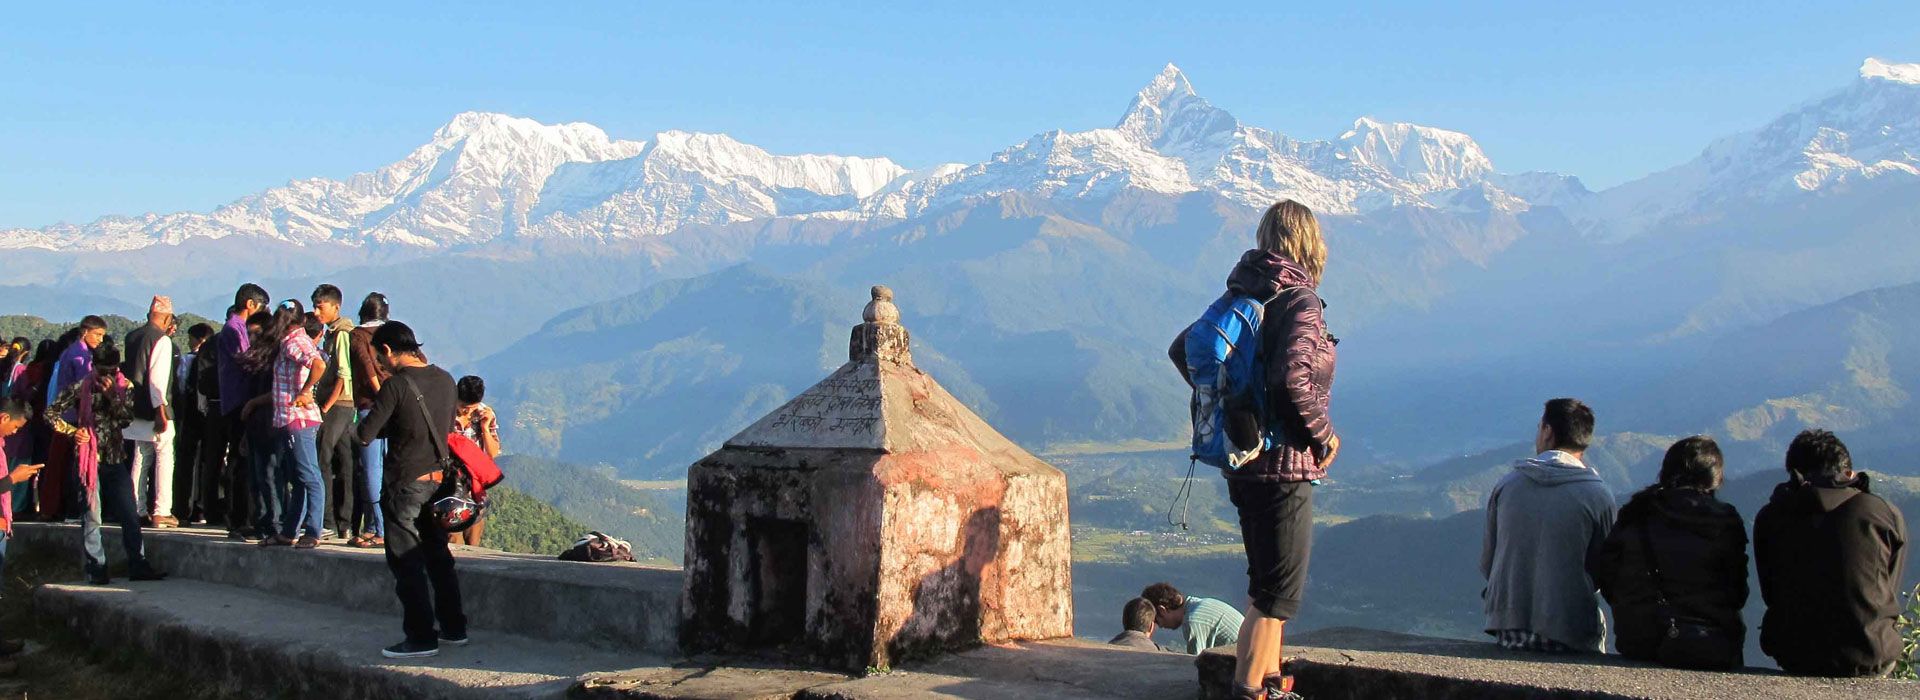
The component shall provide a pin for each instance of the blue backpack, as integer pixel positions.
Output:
(1222, 363)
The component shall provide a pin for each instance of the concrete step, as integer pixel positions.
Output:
(250, 642)
(1345, 663)
(604, 605)
(1060, 670)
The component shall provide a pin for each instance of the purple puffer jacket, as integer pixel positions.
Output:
(1300, 356)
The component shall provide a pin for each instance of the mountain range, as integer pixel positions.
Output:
(1050, 276)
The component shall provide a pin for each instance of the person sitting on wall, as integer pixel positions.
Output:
(1677, 561)
(1204, 622)
(1830, 556)
(1545, 519)
(1137, 617)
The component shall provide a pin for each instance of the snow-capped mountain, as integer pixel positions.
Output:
(490, 177)
(684, 178)
(1866, 131)
(487, 177)
(1171, 140)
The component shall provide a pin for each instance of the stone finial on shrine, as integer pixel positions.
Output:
(881, 338)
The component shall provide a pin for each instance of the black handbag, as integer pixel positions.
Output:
(1689, 641)
(453, 506)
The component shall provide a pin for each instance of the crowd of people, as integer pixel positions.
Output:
(1672, 562)
(287, 426)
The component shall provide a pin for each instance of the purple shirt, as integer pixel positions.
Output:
(75, 365)
(234, 381)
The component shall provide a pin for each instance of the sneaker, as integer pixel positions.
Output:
(329, 534)
(450, 640)
(99, 580)
(306, 542)
(411, 650)
(146, 573)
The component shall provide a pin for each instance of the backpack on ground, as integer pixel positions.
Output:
(597, 546)
(1229, 397)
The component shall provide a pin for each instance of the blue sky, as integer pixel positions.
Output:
(156, 107)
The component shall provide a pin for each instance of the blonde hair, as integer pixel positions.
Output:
(1290, 229)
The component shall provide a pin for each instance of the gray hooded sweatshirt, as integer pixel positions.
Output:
(1543, 519)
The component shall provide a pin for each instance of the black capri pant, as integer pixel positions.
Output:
(1276, 527)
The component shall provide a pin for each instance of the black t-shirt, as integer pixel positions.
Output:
(396, 416)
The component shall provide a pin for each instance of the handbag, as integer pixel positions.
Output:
(1689, 641)
(454, 506)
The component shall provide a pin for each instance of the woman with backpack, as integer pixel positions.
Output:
(1674, 568)
(1294, 439)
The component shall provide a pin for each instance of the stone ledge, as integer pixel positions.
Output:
(258, 645)
(1062, 670)
(604, 604)
(1342, 663)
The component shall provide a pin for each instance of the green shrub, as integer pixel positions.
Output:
(1908, 667)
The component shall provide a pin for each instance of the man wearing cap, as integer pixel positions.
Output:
(149, 363)
(414, 411)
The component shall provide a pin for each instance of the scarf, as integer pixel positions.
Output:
(87, 455)
(6, 502)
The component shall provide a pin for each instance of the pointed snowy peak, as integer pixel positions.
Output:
(1876, 69)
(1167, 113)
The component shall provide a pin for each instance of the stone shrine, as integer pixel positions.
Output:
(871, 519)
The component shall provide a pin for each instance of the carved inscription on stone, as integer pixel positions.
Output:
(837, 405)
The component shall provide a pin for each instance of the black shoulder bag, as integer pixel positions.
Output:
(1689, 642)
(453, 505)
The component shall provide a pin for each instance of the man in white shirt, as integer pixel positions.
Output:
(149, 366)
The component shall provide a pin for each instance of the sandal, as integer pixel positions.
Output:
(306, 542)
(275, 541)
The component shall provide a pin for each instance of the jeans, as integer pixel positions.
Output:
(263, 455)
(418, 556)
(307, 492)
(115, 493)
(372, 459)
(336, 468)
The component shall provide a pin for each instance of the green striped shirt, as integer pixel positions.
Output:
(1210, 623)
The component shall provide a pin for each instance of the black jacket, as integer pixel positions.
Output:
(139, 344)
(1700, 546)
(1830, 559)
(410, 436)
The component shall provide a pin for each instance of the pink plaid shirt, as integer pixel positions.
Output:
(289, 374)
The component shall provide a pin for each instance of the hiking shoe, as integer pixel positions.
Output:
(451, 640)
(1280, 687)
(275, 541)
(411, 650)
(306, 542)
